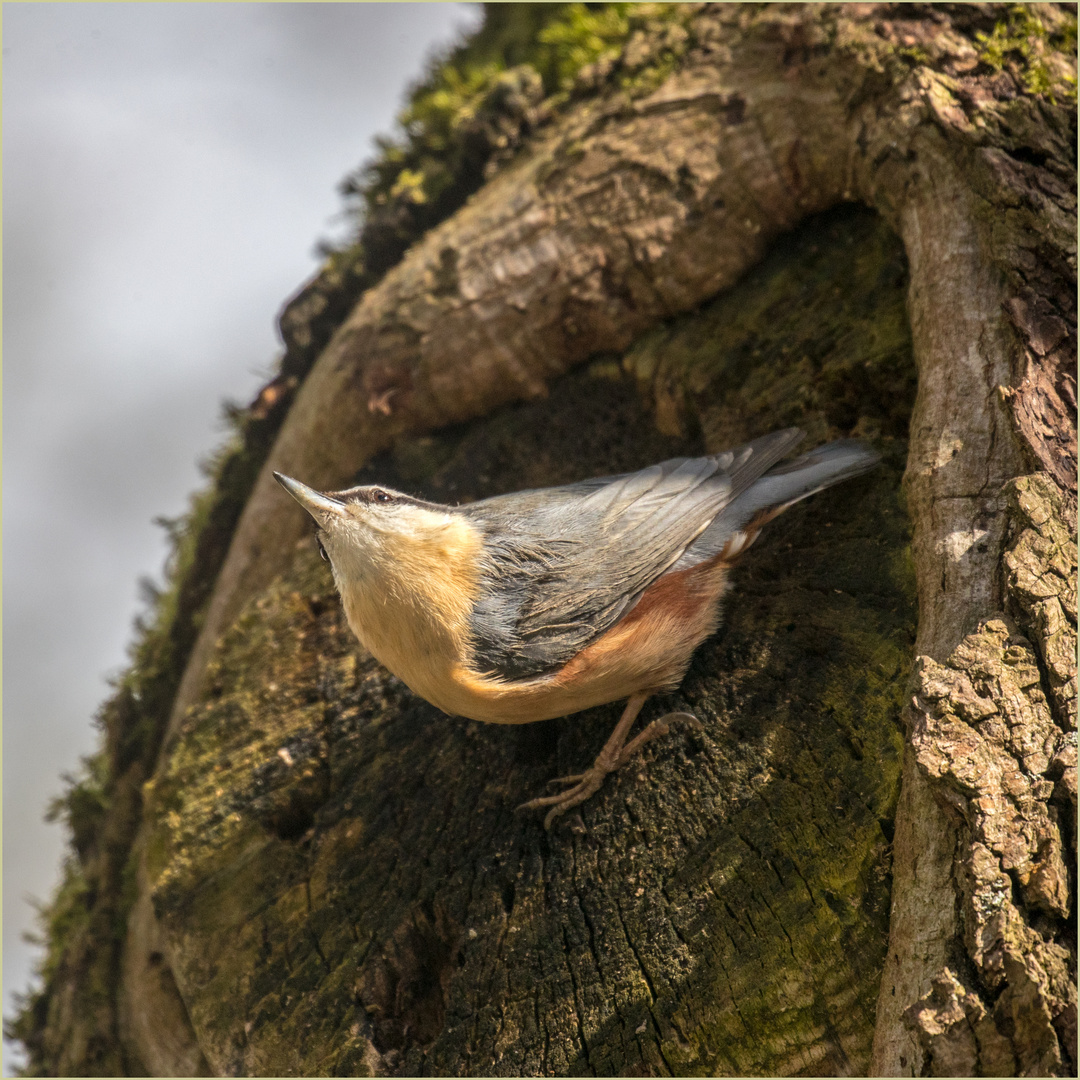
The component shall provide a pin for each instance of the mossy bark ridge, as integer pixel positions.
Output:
(328, 877)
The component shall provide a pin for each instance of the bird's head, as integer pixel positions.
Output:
(375, 535)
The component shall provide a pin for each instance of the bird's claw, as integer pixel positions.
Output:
(585, 784)
(658, 727)
(687, 718)
(566, 779)
(582, 786)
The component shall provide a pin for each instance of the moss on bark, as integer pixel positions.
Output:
(465, 118)
(338, 869)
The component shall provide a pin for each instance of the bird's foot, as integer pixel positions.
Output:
(654, 730)
(582, 786)
(565, 780)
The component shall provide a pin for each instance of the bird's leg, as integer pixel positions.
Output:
(616, 753)
(587, 783)
(658, 727)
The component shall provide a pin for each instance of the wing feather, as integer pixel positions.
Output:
(562, 565)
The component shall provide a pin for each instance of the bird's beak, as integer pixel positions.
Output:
(321, 507)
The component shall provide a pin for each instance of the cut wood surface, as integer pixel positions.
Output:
(336, 857)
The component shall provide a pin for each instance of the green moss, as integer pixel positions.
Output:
(580, 36)
(241, 790)
(430, 169)
(85, 922)
(84, 803)
(450, 128)
(914, 54)
(63, 1033)
(67, 915)
(63, 921)
(480, 98)
(1024, 42)
(468, 115)
(480, 101)
(816, 336)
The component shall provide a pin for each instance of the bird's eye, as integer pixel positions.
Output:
(380, 496)
(322, 550)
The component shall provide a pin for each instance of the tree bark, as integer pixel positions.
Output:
(728, 879)
(331, 877)
(629, 212)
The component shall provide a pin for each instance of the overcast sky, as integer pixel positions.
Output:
(168, 169)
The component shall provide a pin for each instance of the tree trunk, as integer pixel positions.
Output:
(837, 217)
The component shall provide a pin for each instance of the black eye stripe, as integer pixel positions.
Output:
(370, 495)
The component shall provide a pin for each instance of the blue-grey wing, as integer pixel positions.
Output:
(775, 491)
(562, 565)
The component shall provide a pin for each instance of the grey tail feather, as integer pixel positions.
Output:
(808, 474)
(781, 487)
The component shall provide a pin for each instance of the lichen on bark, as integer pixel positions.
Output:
(982, 727)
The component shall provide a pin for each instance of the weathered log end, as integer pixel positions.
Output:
(337, 871)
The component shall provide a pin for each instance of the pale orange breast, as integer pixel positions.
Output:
(646, 650)
(413, 615)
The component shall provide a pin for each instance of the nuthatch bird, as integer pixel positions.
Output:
(542, 603)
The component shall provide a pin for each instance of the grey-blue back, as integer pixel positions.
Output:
(562, 565)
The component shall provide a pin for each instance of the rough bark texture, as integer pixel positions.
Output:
(329, 876)
(995, 727)
(724, 905)
(982, 728)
